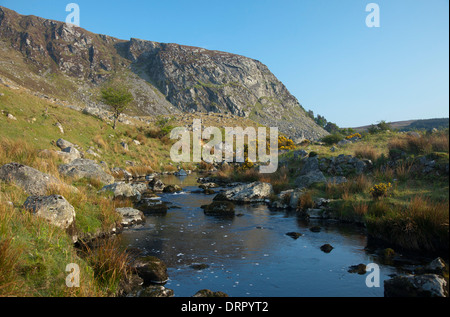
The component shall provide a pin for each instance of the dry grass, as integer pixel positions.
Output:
(100, 142)
(305, 202)
(422, 224)
(424, 144)
(109, 262)
(367, 152)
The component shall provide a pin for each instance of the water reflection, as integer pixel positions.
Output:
(251, 255)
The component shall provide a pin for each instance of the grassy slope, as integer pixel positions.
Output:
(34, 254)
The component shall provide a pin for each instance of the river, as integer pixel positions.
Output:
(250, 255)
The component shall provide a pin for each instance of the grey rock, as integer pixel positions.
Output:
(83, 168)
(55, 208)
(337, 180)
(123, 190)
(247, 193)
(156, 185)
(31, 180)
(305, 181)
(131, 216)
(63, 144)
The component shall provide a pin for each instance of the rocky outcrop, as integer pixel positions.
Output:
(310, 173)
(31, 180)
(344, 165)
(165, 78)
(247, 193)
(56, 209)
(84, 168)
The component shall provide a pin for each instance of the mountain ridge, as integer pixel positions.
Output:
(165, 78)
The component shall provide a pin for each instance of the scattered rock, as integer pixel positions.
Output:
(315, 229)
(247, 193)
(151, 269)
(55, 208)
(11, 117)
(172, 189)
(327, 248)
(63, 144)
(361, 269)
(208, 185)
(181, 172)
(200, 266)
(60, 127)
(122, 190)
(151, 206)
(294, 235)
(131, 216)
(29, 179)
(83, 168)
(156, 291)
(219, 208)
(156, 185)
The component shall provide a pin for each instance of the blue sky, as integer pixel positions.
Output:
(321, 50)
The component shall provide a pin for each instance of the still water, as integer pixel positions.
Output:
(251, 255)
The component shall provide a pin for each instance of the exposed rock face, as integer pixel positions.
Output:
(55, 209)
(31, 180)
(165, 78)
(247, 193)
(310, 173)
(197, 79)
(83, 168)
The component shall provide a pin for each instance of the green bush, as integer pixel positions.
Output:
(332, 138)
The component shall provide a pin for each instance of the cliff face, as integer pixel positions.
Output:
(165, 78)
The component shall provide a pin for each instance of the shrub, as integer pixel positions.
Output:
(354, 135)
(380, 190)
(332, 138)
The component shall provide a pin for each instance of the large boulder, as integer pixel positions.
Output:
(426, 285)
(247, 193)
(55, 208)
(31, 180)
(122, 190)
(130, 216)
(83, 168)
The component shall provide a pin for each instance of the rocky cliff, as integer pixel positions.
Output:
(51, 57)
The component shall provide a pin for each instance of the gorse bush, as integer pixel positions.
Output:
(380, 190)
(354, 135)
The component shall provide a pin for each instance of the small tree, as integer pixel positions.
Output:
(118, 99)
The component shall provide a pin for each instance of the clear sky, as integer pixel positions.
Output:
(322, 50)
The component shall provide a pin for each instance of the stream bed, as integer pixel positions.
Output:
(250, 255)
